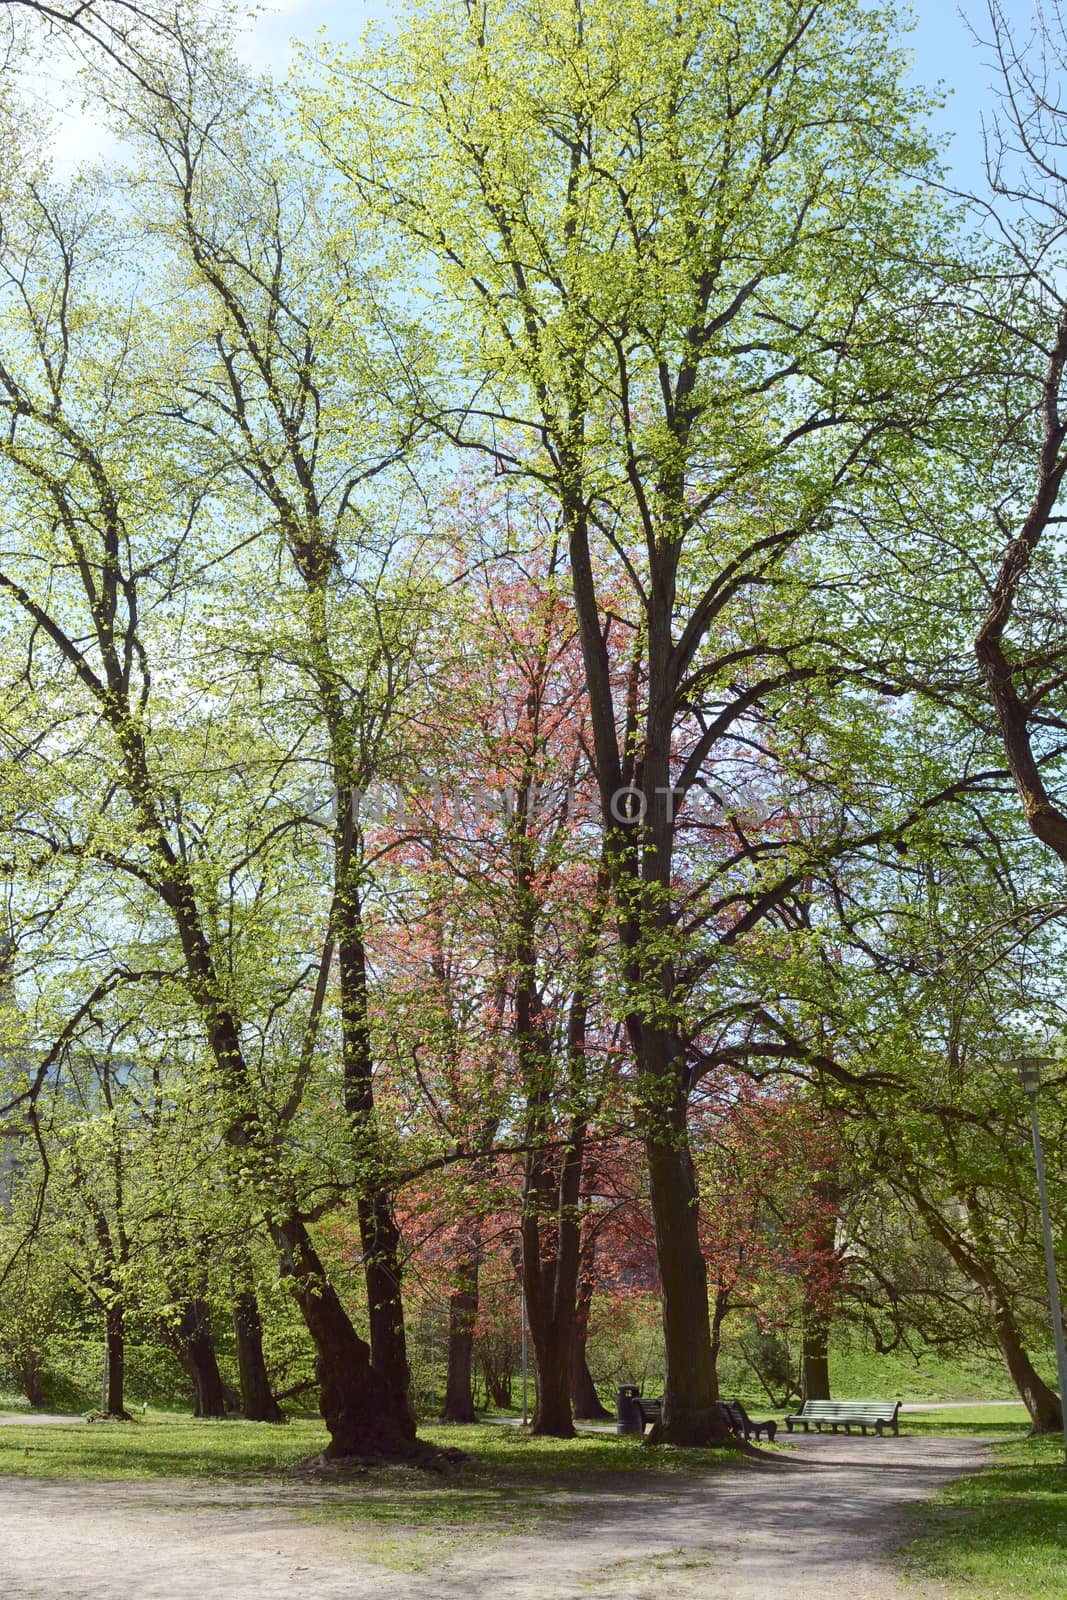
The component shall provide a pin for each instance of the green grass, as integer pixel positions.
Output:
(159, 1446)
(1002, 1532)
(1004, 1420)
(859, 1374)
(504, 1462)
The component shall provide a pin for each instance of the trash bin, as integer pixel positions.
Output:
(627, 1414)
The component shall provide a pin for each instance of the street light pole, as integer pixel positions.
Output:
(1030, 1075)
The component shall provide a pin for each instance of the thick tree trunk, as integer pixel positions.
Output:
(690, 1391)
(379, 1235)
(1040, 1401)
(194, 1347)
(588, 1406)
(114, 1389)
(30, 1373)
(257, 1401)
(550, 1279)
(380, 1238)
(462, 1315)
(551, 1221)
(815, 1373)
(550, 1338)
(586, 1402)
(364, 1412)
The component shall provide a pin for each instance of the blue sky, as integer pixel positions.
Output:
(944, 50)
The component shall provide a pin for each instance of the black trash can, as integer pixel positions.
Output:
(628, 1418)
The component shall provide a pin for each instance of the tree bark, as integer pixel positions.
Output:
(194, 1347)
(462, 1315)
(379, 1235)
(551, 1223)
(1040, 1401)
(114, 1404)
(257, 1401)
(718, 1317)
(30, 1373)
(586, 1402)
(815, 1373)
(363, 1412)
(690, 1390)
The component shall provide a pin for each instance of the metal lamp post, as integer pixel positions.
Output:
(1030, 1077)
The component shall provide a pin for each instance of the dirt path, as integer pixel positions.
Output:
(823, 1524)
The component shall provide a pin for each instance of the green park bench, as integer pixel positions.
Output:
(847, 1414)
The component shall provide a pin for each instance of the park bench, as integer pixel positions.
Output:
(847, 1414)
(742, 1424)
(651, 1410)
(734, 1412)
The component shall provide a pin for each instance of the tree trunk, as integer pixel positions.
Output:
(380, 1238)
(379, 1235)
(30, 1373)
(690, 1391)
(820, 1278)
(588, 1406)
(194, 1347)
(586, 1401)
(815, 1374)
(114, 1404)
(551, 1222)
(462, 1315)
(257, 1401)
(498, 1383)
(1040, 1401)
(364, 1412)
(718, 1317)
(550, 1279)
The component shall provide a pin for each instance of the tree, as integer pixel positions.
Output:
(91, 473)
(633, 216)
(1020, 646)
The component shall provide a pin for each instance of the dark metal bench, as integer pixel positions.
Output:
(651, 1410)
(733, 1412)
(847, 1414)
(740, 1423)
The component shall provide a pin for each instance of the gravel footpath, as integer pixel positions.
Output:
(824, 1521)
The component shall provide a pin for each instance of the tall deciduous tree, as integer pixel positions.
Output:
(672, 262)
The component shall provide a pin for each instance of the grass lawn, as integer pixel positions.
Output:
(1005, 1420)
(179, 1447)
(1002, 1532)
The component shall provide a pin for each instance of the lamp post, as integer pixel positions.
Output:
(1030, 1077)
